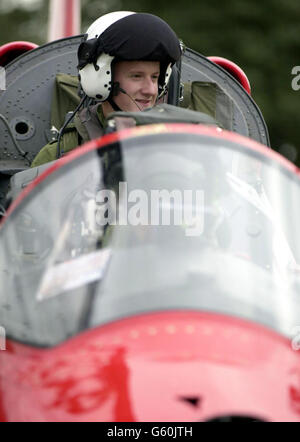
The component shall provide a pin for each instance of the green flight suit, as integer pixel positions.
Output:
(75, 134)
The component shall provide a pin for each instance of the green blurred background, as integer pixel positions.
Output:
(262, 37)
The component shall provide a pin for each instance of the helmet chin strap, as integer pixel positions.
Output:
(114, 105)
(115, 91)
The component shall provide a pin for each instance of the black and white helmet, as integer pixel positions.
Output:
(126, 36)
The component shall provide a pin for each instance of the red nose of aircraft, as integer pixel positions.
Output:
(172, 366)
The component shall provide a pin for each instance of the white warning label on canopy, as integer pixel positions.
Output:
(72, 274)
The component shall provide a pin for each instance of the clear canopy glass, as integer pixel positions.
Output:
(155, 222)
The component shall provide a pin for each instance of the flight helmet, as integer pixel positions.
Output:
(125, 36)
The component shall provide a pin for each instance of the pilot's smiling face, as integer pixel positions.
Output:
(139, 79)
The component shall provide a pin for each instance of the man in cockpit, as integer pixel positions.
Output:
(124, 62)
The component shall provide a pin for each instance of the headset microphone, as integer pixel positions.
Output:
(117, 89)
